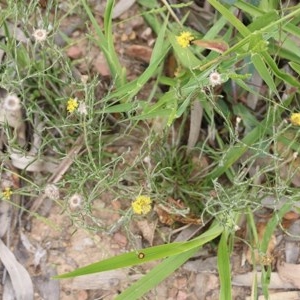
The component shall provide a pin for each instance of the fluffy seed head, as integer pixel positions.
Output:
(215, 79)
(40, 35)
(75, 201)
(52, 191)
(11, 103)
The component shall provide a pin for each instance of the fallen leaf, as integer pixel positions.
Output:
(121, 7)
(147, 229)
(279, 296)
(139, 52)
(218, 46)
(276, 282)
(19, 276)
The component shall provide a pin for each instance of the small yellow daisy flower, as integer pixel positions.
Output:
(184, 39)
(72, 105)
(7, 193)
(295, 119)
(141, 205)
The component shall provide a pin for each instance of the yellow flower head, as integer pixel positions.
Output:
(141, 205)
(295, 119)
(184, 39)
(7, 193)
(72, 105)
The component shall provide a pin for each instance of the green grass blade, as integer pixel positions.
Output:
(151, 253)
(284, 76)
(105, 42)
(156, 275)
(263, 71)
(295, 67)
(130, 89)
(272, 224)
(231, 18)
(224, 268)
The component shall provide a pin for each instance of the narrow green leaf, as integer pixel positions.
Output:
(130, 89)
(156, 275)
(231, 18)
(105, 42)
(119, 108)
(272, 224)
(149, 254)
(224, 268)
(236, 151)
(263, 71)
(295, 67)
(284, 76)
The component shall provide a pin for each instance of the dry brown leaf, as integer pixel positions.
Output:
(147, 229)
(139, 52)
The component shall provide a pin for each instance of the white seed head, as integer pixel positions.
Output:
(52, 191)
(75, 201)
(215, 79)
(11, 103)
(147, 160)
(84, 78)
(40, 35)
(82, 108)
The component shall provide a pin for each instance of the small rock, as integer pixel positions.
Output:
(120, 239)
(205, 283)
(74, 52)
(101, 65)
(180, 283)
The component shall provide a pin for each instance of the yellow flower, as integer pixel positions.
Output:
(7, 193)
(295, 119)
(141, 205)
(72, 105)
(184, 39)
